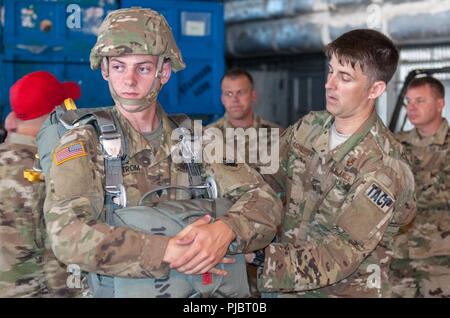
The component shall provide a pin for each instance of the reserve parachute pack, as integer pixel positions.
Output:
(163, 218)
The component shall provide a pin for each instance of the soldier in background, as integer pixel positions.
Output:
(239, 97)
(349, 185)
(421, 267)
(28, 267)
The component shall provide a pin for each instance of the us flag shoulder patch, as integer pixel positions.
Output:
(70, 152)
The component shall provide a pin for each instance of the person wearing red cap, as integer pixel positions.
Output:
(28, 268)
(36, 95)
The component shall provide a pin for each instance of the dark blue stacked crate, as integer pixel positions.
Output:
(55, 36)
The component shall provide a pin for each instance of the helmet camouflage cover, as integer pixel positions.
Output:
(136, 31)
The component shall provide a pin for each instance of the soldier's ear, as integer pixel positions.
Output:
(104, 65)
(377, 89)
(440, 104)
(166, 72)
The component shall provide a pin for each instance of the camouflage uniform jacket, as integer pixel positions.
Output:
(74, 207)
(429, 234)
(343, 207)
(251, 144)
(258, 122)
(28, 267)
(22, 237)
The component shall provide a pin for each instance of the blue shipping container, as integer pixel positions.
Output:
(44, 35)
(52, 30)
(55, 36)
(3, 94)
(2, 8)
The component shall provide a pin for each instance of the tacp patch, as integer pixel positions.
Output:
(70, 152)
(379, 197)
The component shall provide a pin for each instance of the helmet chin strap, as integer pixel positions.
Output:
(132, 105)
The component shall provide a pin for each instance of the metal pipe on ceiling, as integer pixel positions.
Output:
(269, 27)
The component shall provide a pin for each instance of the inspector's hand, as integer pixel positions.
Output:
(174, 251)
(207, 245)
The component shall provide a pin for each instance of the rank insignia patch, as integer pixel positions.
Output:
(379, 197)
(70, 152)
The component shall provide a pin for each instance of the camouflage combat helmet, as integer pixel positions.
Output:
(135, 31)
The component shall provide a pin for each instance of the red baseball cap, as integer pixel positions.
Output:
(38, 93)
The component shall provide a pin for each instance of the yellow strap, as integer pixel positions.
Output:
(32, 175)
(69, 104)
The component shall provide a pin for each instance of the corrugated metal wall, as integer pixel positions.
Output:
(288, 87)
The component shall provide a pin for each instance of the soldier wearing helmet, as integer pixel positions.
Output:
(137, 32)
(136, 53)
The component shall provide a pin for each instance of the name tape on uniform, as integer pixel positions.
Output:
(379, 197)
(70, 152)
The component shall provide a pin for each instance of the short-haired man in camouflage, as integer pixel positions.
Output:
(349, 187)
(421, 265)
(239, 97)
(136, 52)
(28, 267)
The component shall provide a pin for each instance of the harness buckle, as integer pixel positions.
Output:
(120, 195)
(112, 145)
